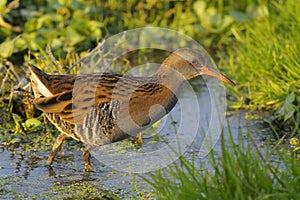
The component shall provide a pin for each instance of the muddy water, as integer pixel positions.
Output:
(25, 175)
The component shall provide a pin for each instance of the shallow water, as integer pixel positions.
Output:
(25, 175)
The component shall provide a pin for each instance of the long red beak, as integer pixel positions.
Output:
(212, 72)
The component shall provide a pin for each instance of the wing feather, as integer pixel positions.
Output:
(71, 106)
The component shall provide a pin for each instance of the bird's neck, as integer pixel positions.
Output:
(169, 76)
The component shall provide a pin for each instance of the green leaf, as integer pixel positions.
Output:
(289, 115)
(290, 98)
(238, 16)
(287, 110)
(20, 44)
(2, 6)
(199, 7)
(65, 2)
(17, 119)
(257, 12)
(31, 124)
(7, 48)
(72, 36)
(3, 2)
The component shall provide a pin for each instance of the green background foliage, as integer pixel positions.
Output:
(255, 42)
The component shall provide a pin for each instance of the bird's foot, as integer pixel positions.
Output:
(137, 140)
(86, 155)
(88, 167)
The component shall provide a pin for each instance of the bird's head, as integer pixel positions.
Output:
(191, 63)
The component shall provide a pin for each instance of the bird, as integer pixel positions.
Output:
(102, 108)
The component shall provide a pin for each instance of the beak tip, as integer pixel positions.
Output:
(232, 83)
(212, 72)
(229, 81)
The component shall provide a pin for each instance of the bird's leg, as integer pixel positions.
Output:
(86, 155)
(59, 141)
(139, 139)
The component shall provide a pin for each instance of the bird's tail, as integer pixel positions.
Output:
(39, 82)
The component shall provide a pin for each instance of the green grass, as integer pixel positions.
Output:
(241, 171)
(266, 64)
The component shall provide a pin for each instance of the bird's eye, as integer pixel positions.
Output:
(194, 62)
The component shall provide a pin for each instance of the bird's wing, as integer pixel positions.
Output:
(73, 105)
